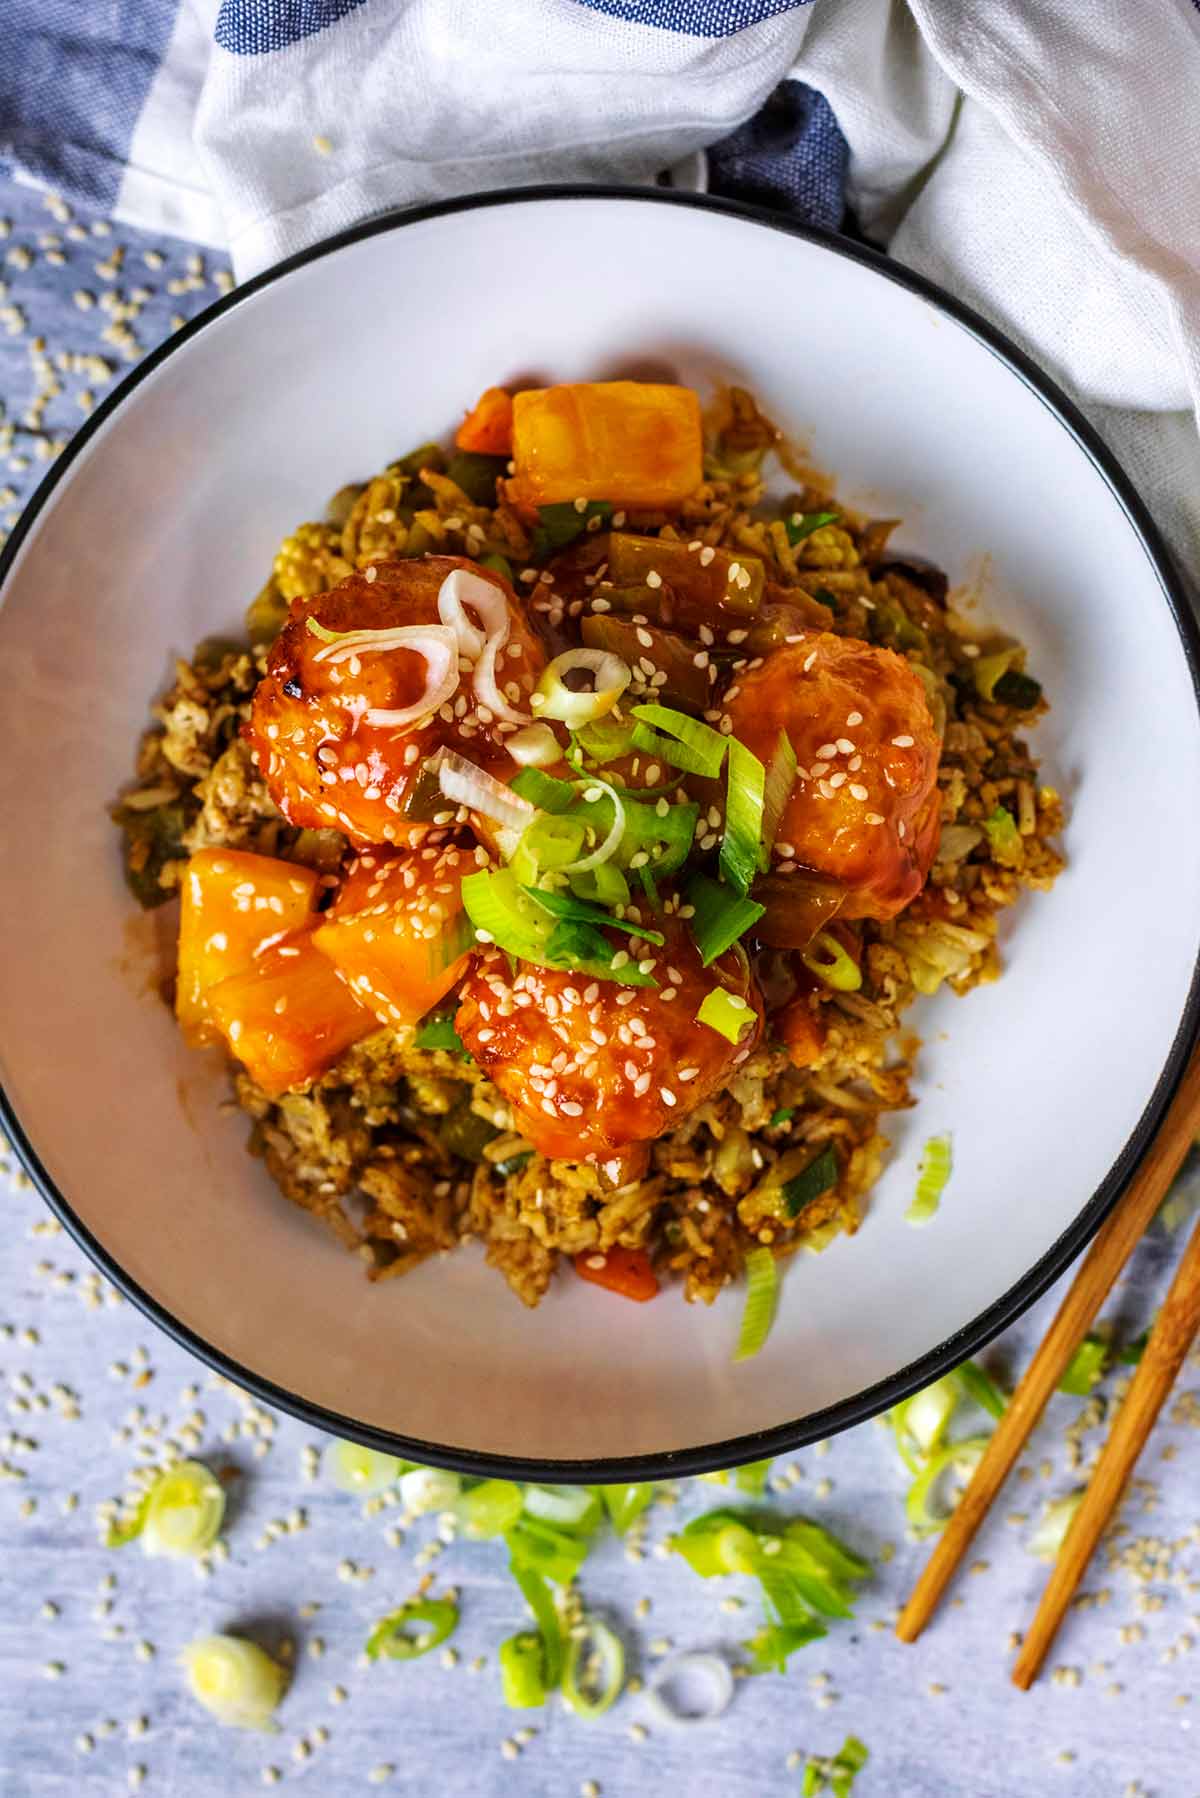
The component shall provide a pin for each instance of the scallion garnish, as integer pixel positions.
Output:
(783, 1115)
(933, 1172)
(726, 1013)
(1085, 1367)
(545, 791)
(540, 1599)
(1004, 838)
(817, 1178)
(563, 905)
(762, 1289)
(595, 1669)
(353, 1468)
(781, 778)
(741, 845)
(836, 1772)
(964, 1457)
(720, 917)
(437, 1031)
(830, 962)
(236, 1681)
(679, 741)
(416, 1628)
(802, 524)
(979, 1385)
(625, 1503)
(522, 1676)
(180, 1514)
(425, 1489)
(490, 1508)
(1056, 1520)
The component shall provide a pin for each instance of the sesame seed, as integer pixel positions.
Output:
(845, 746)
(857, 791)
(854, 718)
(904, 742)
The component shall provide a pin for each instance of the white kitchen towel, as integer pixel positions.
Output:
(1041, 158)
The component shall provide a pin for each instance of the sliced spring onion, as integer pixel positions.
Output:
(235, 1680)
(545, 791)
(522, 1679)
(581, 911)
(552, 698)
(802, 524)
(741, 845)
(490, 1508)
(543, 1548)
(416, 1628)
(837, 1773)
(721, 917)
(560, 524)
(820, 1174)
(534, 747)
(540, 1599)
(663, 839)
(567, 1506)
(691, 1689)
(436, 643)
(762, 1290)
(487, 687)
(425, 1489)
(772, 1647)
(437, 1031)
(605, 885)
(461, 589)
(964, 1457)
(352, 1468)
(783, 1115)
(933, 1172)
(498, 565)
(780, 779)
(716, 1543)
(512, 1164)
(752, 1477)
(979, 1385)
(550, 842)
(593, 789)
(603, 740)
(926, 1416)
(1056, 1520)
(725, 1013)
(465, 784)
(679, 741)
(1004, 838)
(179, 1515)
(987, 670)
(625, 1503)
(826, 958)
(502, 914)
(595, 1669)
(1085, 1367)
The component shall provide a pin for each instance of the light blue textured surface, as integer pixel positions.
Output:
(92, 1390)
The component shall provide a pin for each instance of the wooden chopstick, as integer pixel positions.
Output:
(1115, 1241)
(1170, 1340)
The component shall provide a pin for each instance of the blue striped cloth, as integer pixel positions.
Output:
(133, 107)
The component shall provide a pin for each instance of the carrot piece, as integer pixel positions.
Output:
(487, 428)
(288, 1017)
(801, 1030)
(234, 903)
(395, 932)
(631, 442)
(627, 1271)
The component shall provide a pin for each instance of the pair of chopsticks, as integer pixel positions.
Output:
(1164, 1355)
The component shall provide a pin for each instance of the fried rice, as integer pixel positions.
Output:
(404, 1152)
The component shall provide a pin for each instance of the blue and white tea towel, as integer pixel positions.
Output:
(1041, 158)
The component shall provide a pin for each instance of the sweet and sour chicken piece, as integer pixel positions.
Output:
(333, 729)
(590, 1067)
(864, 809)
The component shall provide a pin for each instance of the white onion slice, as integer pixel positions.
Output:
(435, 642)
(487, 690)
(552, 698)
(460, 589)
(465, 784)
(534, 747)
(611, 843)
(567, 1505)
(691, 1689)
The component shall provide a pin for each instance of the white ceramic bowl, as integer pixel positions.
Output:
(155, 529)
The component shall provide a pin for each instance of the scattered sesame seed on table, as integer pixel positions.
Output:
(91, 1698)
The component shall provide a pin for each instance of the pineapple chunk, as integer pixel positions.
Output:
(631, 442)
(288, 1017)
(397, 932)
(234, 905)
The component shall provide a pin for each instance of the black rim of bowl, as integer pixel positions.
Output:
(974, 1336)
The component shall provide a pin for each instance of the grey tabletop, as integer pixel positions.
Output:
(91, 1697)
